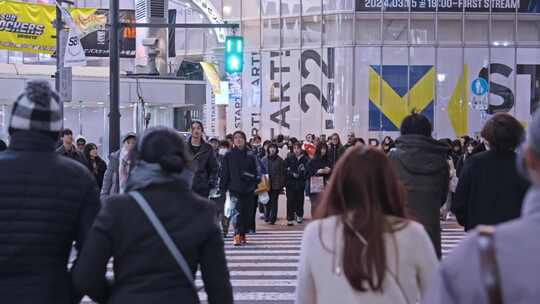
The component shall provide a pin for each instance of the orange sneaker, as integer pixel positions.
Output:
(243, 239)
(237, 241)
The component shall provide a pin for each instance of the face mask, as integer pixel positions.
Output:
(223, 151)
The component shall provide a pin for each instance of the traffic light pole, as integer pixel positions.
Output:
(114, 64)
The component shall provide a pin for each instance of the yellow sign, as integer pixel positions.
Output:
(212, 75)
(28, 27)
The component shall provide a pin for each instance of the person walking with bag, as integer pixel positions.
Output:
(296, 169)
(239, 176)
(362, 248)
(153, 265)
(276, 171)
(318, 173)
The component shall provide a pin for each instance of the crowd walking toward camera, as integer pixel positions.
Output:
(163, 207)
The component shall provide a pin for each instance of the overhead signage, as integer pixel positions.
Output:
(510, 6)
(28, 27)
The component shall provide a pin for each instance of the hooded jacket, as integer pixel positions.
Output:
(422, 167)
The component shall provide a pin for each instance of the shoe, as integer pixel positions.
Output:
(272, 223)
(290, 223)
(243, 239)
(266, 220)
(299, 219)
(237, 240)
(261, 216)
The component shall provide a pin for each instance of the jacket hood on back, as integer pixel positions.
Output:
(420, 154)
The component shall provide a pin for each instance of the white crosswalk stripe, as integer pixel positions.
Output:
(264, 271)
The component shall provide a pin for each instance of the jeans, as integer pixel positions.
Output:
(271, 209)
(295, 203)
(244, 208)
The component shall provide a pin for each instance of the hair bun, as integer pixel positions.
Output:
(172, 163)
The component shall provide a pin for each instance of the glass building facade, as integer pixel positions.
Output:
(325, 66)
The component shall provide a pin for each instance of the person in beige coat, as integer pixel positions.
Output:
(362, 248)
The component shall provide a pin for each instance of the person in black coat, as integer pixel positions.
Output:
(206, 165)
(96, 165)
(276, 171)
(317, 167)
(47, 202)
(296, 170)
(335, 149)
(145, 271)
(490, 190)
(239, 176)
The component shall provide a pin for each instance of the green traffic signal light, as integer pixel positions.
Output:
(234, 54)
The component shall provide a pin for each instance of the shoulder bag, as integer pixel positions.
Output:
(488, 264)
(164, 236)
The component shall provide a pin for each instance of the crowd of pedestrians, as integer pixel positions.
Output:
(161, 206)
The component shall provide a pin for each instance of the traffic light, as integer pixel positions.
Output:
(234, 54)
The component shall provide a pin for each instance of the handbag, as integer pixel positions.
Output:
(264, 185)
(180, 260)
(488, 264)
(316, 184)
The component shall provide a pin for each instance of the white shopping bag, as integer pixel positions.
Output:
(264, 198)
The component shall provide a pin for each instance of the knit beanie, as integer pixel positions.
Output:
(37, 109)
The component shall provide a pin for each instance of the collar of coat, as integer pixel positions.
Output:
(24, 140)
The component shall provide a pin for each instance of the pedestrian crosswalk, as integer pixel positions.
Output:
(264, 271)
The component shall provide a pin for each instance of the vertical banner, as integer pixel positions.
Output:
(235, 108)
(251, 97)
(210, 113)
(74, 52)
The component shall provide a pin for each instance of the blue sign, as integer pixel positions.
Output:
(479, 86)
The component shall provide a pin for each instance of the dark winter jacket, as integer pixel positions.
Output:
(334, 153)
(239, 172)
(276, 171)
(101, 167)
(296, 170)
(206, 168)
(47, 202)
(111, 179)
(490, 190)
(73, 154)
(312, 167)
(421, 164)
(144, 269)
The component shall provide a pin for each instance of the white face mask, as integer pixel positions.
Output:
(223, 151)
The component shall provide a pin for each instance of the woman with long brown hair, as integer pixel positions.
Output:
(362, 248)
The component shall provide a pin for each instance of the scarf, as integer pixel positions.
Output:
(145, 174)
